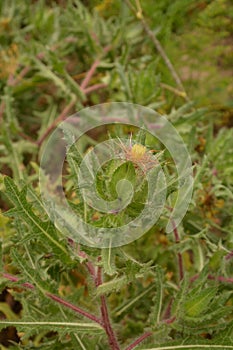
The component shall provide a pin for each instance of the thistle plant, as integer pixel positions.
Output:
(119, 236)
(52, 270)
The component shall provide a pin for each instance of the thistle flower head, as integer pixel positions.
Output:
(138, 151)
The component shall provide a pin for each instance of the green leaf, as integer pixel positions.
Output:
(30, 274)
(112, 286)
(124, 171)
(198, 304)
(108, 260)
(23, 210)
(158, 298)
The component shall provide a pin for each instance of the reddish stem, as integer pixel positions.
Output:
(229, 255)
(74, 308)
(170, 320)
(57, 299)
(16, 279)
(90, 267)
(92, 70)
(105, 322)
(105, 316)
(139, 340)
(61, 117)
(221, 278)
(177, 240)
(21, 75)
(107, 325)
(94, 88)
(89, 75)
(167, 312)
(179, 255)
(180, 264)
(211, 277)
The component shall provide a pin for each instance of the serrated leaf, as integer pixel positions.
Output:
(158, 298)
(199, 303)
(108, 260)
(112, 286)
(210, 317)
(30, 274)
(24, 211)
(180, 297)
(129, 304)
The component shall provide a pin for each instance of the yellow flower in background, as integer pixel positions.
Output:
(8, 61)
(103, 5)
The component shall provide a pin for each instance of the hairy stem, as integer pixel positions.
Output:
(92, 70)
(138, 13)
(105, 316)
(167, 313)
(74, 308)
(105, 320)
(94, 88)
(57, 299)
(229, 255)
(179, 255)
(84, 89)
(61, 117)
(216, 278)
(138, 341)
(90, 267)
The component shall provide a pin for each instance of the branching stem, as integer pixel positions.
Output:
(105, 316)
(179, 255)
(138, 341)
(138, 14)
(61, 117)
(57, 299)
(84, 89)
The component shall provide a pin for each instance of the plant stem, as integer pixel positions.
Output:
(217, 278)
(21, 75)
(61, 117)
(95, 87)
(167, 313)
(179, 255)
(221, 279)
(92, 70)
(84, 89)
(105, 316)
(107, 325)
(90, 267)
(74, 308)
(57, 299)
(16, 279)
(138, 14)
(105, 322)
(174, 90)
(138, 341)
(170, 320)
(229, 255)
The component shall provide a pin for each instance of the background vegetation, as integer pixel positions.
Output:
(163, 291)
